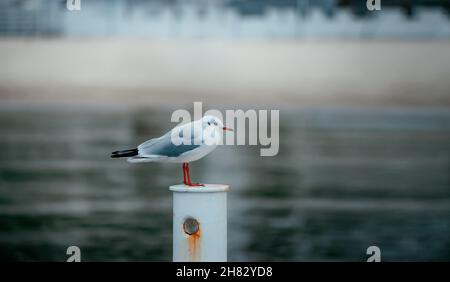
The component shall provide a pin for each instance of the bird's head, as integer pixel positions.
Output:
(213, 122)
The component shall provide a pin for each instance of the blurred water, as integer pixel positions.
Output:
(345, 179)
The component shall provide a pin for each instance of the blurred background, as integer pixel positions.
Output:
(364, 102)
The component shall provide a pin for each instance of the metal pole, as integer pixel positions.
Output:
(200, 223)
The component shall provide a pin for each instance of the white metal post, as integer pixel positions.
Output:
(200, 223)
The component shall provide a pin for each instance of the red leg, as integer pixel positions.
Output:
(184, 174)
(189, 182)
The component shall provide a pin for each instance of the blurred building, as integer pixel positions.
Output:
(264, 19)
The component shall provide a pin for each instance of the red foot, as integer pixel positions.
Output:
(195, 184)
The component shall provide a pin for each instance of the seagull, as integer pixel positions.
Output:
(183, 144)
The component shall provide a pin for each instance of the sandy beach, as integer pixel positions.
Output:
(138, 72)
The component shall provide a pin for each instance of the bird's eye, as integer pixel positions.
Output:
(209, 123)
(215, 123)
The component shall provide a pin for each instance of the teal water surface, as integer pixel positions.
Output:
(344, 179)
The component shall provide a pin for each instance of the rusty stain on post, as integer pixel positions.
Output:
(194, 246)
(191, 228)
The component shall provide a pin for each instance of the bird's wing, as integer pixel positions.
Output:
(163, 146)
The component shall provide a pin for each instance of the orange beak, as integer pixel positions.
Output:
(227, 128)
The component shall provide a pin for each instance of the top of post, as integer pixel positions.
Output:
(208, 188)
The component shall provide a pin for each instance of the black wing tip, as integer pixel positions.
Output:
(124, 153)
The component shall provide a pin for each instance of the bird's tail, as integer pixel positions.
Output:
(124, 153)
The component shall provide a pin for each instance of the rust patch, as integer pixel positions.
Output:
(191, 229)
(194, 246)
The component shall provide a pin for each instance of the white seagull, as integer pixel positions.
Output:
(183, 144)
